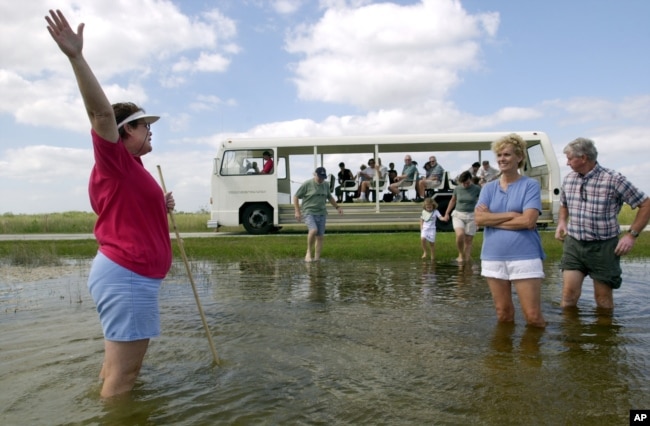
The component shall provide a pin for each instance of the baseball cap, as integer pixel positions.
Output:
(321, 172)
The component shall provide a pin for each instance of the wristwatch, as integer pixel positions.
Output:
(633, 233)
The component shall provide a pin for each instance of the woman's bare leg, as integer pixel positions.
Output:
(122, 363)
(530, 295)
(502, 297)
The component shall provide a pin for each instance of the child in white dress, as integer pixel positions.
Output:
(428, 227)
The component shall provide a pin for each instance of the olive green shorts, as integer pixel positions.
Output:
(593, 258)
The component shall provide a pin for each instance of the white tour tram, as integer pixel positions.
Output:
(242, 195)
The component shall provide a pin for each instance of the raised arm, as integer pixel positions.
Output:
(99, 109)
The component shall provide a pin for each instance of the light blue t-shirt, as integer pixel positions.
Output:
(410, 171)
(504, 244)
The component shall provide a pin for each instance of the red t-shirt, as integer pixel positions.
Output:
(132, 228)
(268, 167)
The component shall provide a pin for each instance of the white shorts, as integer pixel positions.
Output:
(465, 221)
(512, 270)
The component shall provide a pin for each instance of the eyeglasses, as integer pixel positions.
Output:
(583, 191)
(147, 125)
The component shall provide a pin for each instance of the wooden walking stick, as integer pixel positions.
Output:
(189, 273)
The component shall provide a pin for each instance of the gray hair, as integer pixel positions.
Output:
(581, 146)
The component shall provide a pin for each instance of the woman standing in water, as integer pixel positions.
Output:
(132, 231)
(512, 251)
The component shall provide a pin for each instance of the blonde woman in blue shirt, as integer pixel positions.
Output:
(512, 252)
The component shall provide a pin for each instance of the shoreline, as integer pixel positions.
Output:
(13, 274)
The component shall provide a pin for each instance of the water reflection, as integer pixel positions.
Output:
(331, 343)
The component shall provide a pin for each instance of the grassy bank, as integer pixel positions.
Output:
(342, 246)
(83, 222)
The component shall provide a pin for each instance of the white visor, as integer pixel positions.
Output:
(139, 115)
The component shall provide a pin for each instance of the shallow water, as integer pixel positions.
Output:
(329, 343)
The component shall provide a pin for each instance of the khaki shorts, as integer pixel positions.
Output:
(431, 184)
(404, 183)
(464, 220)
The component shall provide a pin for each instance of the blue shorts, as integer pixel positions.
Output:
(317, 222)
(127, 303)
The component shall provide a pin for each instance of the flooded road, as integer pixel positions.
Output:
(328, 343)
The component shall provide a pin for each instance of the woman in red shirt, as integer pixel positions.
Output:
(132, 231)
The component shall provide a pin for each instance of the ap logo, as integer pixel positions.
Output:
(639, 417)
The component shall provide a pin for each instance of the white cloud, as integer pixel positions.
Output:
(386, 55)
(127, 42)
(209, 103)
(381, 67)
(286, 7)
(43, 163)
(211, 62)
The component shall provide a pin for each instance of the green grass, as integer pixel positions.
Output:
(33, 255)
(267, 248)
(340, 242)
(83, 223)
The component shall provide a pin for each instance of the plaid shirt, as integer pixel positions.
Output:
(594, 201)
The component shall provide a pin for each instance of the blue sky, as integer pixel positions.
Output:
(214, 69)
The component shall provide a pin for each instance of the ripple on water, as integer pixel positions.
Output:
(332, 343)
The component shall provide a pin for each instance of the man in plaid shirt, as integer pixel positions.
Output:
(592, 196)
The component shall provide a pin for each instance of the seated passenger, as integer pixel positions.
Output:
(268, 163)
(409, 171)
(474, 169)
(432, 179)
(253, 169)
(380, 172)
(368, 176)
(392, 173)
(487, 173)
(345, 178)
